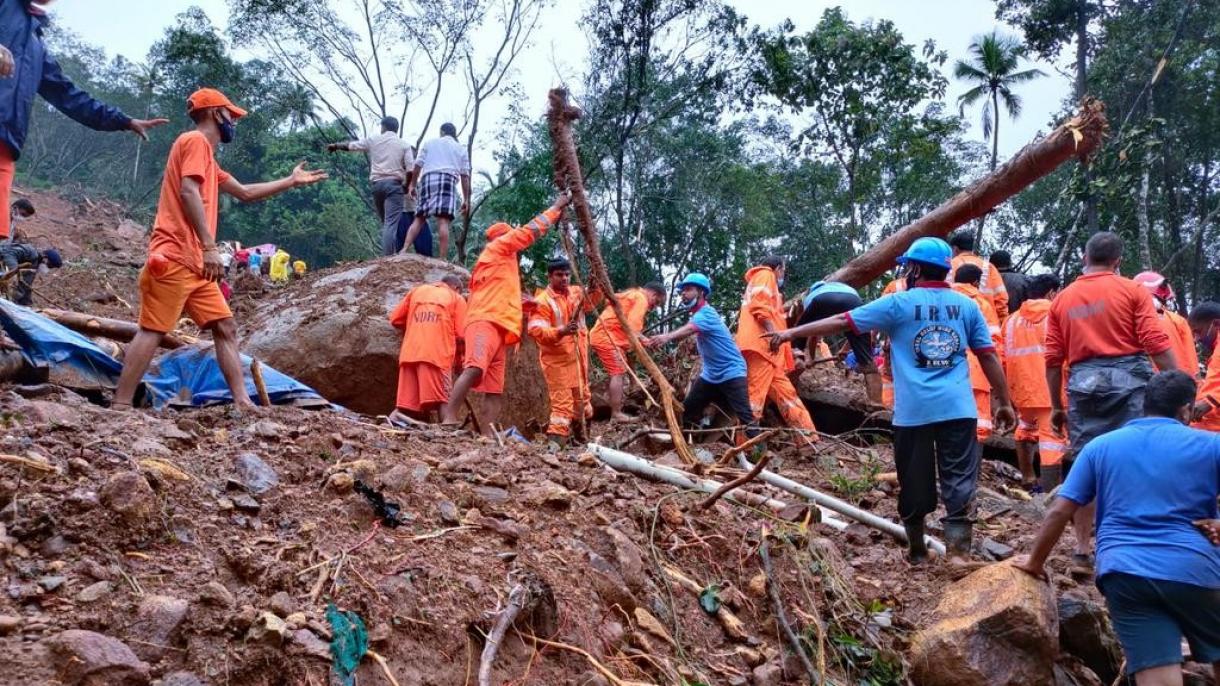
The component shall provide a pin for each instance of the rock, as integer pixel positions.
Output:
(629, 557)
(548, 493)
(996, 627)
(157, 624)
(646, 621)
(94, 592)
(51, 583)
(9, 624)
(182, 679)
(267, 429)
(92, 659)
(268, 628)
(448, 512)
(996, 550)
(246, 503)
(1070, 671)
(148, 446)
(490, 497)
(282, 604)
(296, 620)
(769, 674)
(340, 482)
(306, 642)
(420, 472)
(54, 546)
(256, 476)
(1085, 632)
(396, 479)
(129, 495)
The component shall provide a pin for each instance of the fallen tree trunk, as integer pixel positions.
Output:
(115, 329)
(1077, 138)
(560, 116)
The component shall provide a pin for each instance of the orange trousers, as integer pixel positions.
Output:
(768, 382)
(1034, 426)
(8, 168)
(564, 400)
(982, 399)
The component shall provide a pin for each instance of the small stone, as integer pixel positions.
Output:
(282, 604)
(255, 475)
(996, 550)
(449, 513)
(268, 628)
(147, 446)
(88, 658)
(306, 642)
(80, 466)
(214, 593)
(9, 624)
(158, 621)
(83, 500)
(181, 679)
(491, 496)
(364, 470)
(396, 479)
(129, 495)
(770, 674)
(224, 504)
(54, 546)
(340, 482)
(51, 583)
(94, 592)
(267, 429)
(246, 503)
(296, 620)
(420, 472)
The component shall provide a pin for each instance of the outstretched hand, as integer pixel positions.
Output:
(1024, 564)
(777, 338)
(141, 127)
(1005, 419)
(562, 201)
(305, 177)
(1210, 528)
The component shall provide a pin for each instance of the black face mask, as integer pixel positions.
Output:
(911, 278)
(228, 130)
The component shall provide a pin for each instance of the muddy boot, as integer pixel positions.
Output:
(917, 548)
(578, 432)
(958, 538)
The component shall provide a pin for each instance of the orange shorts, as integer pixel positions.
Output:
(7, 169)
(486, 350)
(174, 288)
(422, 386)
(613, 358)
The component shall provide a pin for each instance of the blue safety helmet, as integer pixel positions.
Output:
(928, 250)
(696, 279)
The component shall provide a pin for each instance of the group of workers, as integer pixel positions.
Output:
(278, 266)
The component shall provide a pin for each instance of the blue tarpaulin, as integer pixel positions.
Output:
(187, 376)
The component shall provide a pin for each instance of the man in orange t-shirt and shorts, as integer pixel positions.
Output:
(610, 342)
(431, 317)
(184, 266)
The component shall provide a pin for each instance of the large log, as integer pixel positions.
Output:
(560, 116)
(1076, 138)
(114, 329)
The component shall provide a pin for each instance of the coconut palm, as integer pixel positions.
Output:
(992, 68)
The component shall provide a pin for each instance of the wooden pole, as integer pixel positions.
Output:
(115, 329)
(560, 116)
(1076, 138)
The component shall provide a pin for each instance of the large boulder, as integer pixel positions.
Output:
(332, 332)
(996, 627)
(1085, 632)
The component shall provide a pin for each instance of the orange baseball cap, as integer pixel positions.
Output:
(205, 98)
(496, 230)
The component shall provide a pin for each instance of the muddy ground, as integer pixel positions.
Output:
(162, 531)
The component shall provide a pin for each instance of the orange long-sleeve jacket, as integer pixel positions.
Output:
(557, 353)
(991, 285)
(761, 303)
(1182, 341)
(1101, 314)
(1209, 392)
(1025, 354)
(495, 281)
(978, 380)
(433, 317)
(608, 332)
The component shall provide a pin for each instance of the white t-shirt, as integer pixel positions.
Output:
(443, 154)
(390, 157)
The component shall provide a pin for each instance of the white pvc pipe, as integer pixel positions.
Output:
(626, 462)
(844, 508)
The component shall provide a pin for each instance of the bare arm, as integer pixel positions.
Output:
(465, 194)
(1165, 361)
(1057, 518)
(259, 191)
(684, 331)
(192, 204)
(819, 329)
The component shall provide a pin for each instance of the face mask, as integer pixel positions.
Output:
(228, 131)
(779, 284)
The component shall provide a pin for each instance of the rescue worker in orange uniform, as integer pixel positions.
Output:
(762, 311)
(1205, 324)
(966, 280)
(1025, 367)
(557, 324)
(493, 315)
(431, 317)
(610, 342)
(1175, 325)
(991, 283)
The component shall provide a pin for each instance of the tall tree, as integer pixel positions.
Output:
(992, 68)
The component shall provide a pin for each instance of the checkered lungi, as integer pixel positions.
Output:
(438, 195)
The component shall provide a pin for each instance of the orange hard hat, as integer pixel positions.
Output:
(496, 230)
(206, 98)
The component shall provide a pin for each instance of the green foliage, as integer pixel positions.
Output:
(868, 665)
(853, 488)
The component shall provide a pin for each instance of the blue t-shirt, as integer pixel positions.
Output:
(255, 261)
(930, 328)
(721, 358)
(823, 287)
(1151, 479)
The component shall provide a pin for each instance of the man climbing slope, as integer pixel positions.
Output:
(722, 378)
(762, 311)
(493, 314)
(966, 282)
(931, 327)
(184, 264)
(1025, 367)
(610, 342)
(557, 324)
(432, 318)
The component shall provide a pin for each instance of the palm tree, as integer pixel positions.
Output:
(992, 68)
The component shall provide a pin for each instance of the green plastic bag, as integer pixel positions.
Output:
(349, 643)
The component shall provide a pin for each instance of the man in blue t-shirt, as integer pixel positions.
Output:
(1155, 482)
(930, 328)
(723, 377)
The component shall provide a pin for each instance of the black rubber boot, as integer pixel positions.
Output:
(958, 538)
(917, 549)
